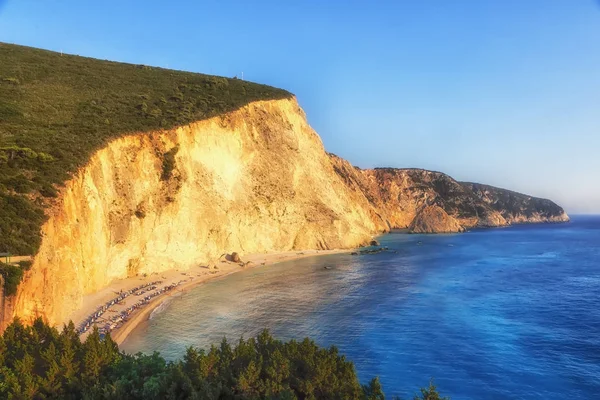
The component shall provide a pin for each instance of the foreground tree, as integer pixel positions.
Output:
(430, 393)
(38, 362)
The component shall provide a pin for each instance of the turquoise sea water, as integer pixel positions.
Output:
(509, 313)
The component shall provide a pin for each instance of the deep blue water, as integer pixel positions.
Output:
(509, 313)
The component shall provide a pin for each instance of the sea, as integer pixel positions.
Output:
(503, 313)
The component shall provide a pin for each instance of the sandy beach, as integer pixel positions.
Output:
(144, 293)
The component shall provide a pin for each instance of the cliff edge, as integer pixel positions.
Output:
(253, 180)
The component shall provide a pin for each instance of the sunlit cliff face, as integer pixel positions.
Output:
(255, 180)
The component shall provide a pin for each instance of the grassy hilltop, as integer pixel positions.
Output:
(56, 110)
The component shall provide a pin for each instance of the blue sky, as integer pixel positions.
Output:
(500, 92)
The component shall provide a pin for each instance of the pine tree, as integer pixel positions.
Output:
(93, 358)
(52, 382)
(27, 386)
(374, 391)
(70, 349)
(430, 393)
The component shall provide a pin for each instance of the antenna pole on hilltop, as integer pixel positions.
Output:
(242, 75)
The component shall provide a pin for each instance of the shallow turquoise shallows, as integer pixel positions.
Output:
(510, 313)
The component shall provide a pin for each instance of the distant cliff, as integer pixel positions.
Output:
(402, 196)
(182, 168)
(518, 208)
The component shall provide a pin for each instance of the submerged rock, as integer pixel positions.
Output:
(374, 251)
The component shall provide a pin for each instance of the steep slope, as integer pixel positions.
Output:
(516, 207)
(400, 194)
(253, 180)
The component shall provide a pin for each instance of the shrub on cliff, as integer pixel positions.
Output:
(39, 362)
(20, 221)
(168, 164)
(12, 276)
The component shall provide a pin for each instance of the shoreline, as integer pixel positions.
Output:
(120, 334)
(185, 280)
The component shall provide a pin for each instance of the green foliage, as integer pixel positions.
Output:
(20, 221)
(430, 393)
(39, 362)
(168, 164)
(374, 391)
(12, 80)
(12, 276)
(57, 110)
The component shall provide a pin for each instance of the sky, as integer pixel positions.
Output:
(499, 92)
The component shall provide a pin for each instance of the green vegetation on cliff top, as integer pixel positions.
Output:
(57, 110)
(12, 274)
(38, 362)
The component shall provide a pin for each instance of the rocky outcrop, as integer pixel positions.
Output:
(235, 257)
(433, 219)
(518, 208)
(399, 195)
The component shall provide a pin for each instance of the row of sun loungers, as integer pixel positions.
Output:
(97, 315)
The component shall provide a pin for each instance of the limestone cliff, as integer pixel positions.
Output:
(516, 207)
(400, 194)
(253, 180)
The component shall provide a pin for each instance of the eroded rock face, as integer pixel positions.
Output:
(254, 180)
(433, 219)
(517, 208)
(399, 195)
